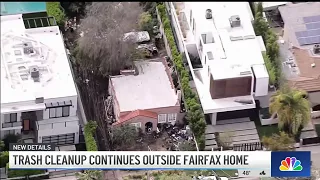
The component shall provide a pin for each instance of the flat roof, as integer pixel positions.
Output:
(235, 49)
(151, 88)
(22, 50)
(10, 8)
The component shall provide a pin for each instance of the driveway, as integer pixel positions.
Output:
(315, 154)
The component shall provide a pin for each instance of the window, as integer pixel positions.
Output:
(172, 117)
(60, 109)
(162, 118)
(13, 117)
(66, 111)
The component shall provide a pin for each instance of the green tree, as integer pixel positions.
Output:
(145, 22)
(89, 175)
(54, 9)
(4, 158)
(293, 109)
(123, 137)
(278, 142)
(270, 68)
(1, 145)
(272, 47)
(260, 26)
(259, 8)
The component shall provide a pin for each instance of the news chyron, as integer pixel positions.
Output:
(32, 147)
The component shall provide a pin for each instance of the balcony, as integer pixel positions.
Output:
(57, 123)
(12, 125)
(39, 22)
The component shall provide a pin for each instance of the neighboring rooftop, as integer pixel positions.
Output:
(11, 8)
(272, 5)
(302, 31)
(34, 63)
(301, 23)
(151, 88)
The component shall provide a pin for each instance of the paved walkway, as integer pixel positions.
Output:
(241, 130)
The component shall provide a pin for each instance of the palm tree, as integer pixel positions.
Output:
(293, 109)
(90, 175)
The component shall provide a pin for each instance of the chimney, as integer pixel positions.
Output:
(35, 74)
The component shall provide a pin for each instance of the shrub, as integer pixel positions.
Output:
(195, 115)
(89, 130)
(271, 57)
(10, 138)
(54, 9)
(145, 22)
(4, 158)
(12, 173)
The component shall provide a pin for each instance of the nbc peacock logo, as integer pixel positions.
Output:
(290, 164)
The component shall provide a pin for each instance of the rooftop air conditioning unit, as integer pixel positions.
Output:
(208, 14)
(316, 49)
(235, 21)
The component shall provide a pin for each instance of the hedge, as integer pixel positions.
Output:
(54, 9)
(195, 114)
(271, 57)
(89, 130)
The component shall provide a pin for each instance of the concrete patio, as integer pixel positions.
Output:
(242, 131)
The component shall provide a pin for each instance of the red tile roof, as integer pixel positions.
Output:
(309, 79)
(136, 113)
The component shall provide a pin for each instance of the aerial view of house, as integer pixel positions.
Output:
(159, 76)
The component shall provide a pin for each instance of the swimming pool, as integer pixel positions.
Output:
(9, 8)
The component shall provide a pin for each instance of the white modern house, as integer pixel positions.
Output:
(231, 74)
(38, 93)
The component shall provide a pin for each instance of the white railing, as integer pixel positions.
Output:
(315, 114)
(176, 25)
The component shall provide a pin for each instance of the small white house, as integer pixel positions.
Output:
(38, 93)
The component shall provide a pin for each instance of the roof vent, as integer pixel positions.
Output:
(316, 49)
(245, 73)
(208, 14)
(39, 100)
(235, 21)
(35, 74)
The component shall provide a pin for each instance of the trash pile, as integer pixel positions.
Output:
(177, 137)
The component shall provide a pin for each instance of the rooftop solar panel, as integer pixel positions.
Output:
(313, 32)
(309, 40)
(315, 25)
(310, 19)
